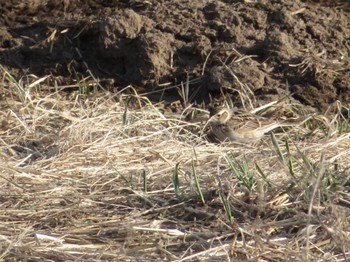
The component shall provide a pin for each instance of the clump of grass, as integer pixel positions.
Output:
(242, 173)
(76, 185)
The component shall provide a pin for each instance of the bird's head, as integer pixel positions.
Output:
(220, 116)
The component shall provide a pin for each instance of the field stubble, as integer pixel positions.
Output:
(110, 176)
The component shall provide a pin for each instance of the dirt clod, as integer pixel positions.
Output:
(148, 43)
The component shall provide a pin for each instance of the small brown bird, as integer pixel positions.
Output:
(238, 126)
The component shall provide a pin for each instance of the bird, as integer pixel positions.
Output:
(235, 125)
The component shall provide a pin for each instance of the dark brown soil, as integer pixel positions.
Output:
(268, 46)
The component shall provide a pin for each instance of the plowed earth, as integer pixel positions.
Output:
(87, 179)
(269, 46)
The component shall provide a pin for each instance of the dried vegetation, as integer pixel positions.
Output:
(102, 176)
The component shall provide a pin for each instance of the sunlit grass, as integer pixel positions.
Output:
(116, 174)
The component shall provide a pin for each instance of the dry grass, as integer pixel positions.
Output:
(84, 179)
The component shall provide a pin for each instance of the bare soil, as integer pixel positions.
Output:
(269, 46)
(91, 176)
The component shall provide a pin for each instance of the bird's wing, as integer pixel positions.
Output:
(249, 122)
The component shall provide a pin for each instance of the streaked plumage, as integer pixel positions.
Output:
(238, 126)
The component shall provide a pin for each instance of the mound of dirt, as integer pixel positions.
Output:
(234, 46)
